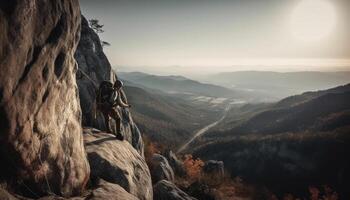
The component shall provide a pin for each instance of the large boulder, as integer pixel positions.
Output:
(94, 67)
(118, 162)
(41, 144)
(166, 190)
(102, 190)
(106, 190)
(160, 169)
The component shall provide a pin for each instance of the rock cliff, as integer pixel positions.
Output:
(94, 67)
(41, 140)
(117, 163)
(46, 97)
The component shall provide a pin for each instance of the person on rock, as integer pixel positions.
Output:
(108, 98)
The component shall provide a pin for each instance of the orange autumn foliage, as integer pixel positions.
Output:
(327, 194)
(150, 149)
(193, 167)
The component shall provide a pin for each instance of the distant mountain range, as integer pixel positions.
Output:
(301, 140)
(277, 85)
(179, 84)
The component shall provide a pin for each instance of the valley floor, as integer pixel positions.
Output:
(203, 130)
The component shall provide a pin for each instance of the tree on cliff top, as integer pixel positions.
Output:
(97, 27)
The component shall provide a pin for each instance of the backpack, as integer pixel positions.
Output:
(106, 93)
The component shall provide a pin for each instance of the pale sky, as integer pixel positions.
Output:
(225, 35)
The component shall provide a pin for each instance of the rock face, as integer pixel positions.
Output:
(214, 167)
(161, 169)
(110, 191)
(175, 163)
(40, 118)
(167, 190)
(118, 162)
(94, 67)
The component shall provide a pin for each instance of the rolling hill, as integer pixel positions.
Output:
(299, 112)
(180, 84)
(167, 119)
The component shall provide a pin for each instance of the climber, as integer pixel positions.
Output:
(108, 98)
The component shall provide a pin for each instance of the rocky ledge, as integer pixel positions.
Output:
(117, 162)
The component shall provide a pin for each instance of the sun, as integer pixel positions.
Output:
(313, 20)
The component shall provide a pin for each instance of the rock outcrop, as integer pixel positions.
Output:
(161, 169)
(167, 190)
(40, 117)
(175, 163)
(94, 67)
(118, 162)
(214, 167)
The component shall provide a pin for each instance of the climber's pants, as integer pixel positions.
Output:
(114, 114)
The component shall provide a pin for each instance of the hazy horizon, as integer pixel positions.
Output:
(204, 36)
(193, 72)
